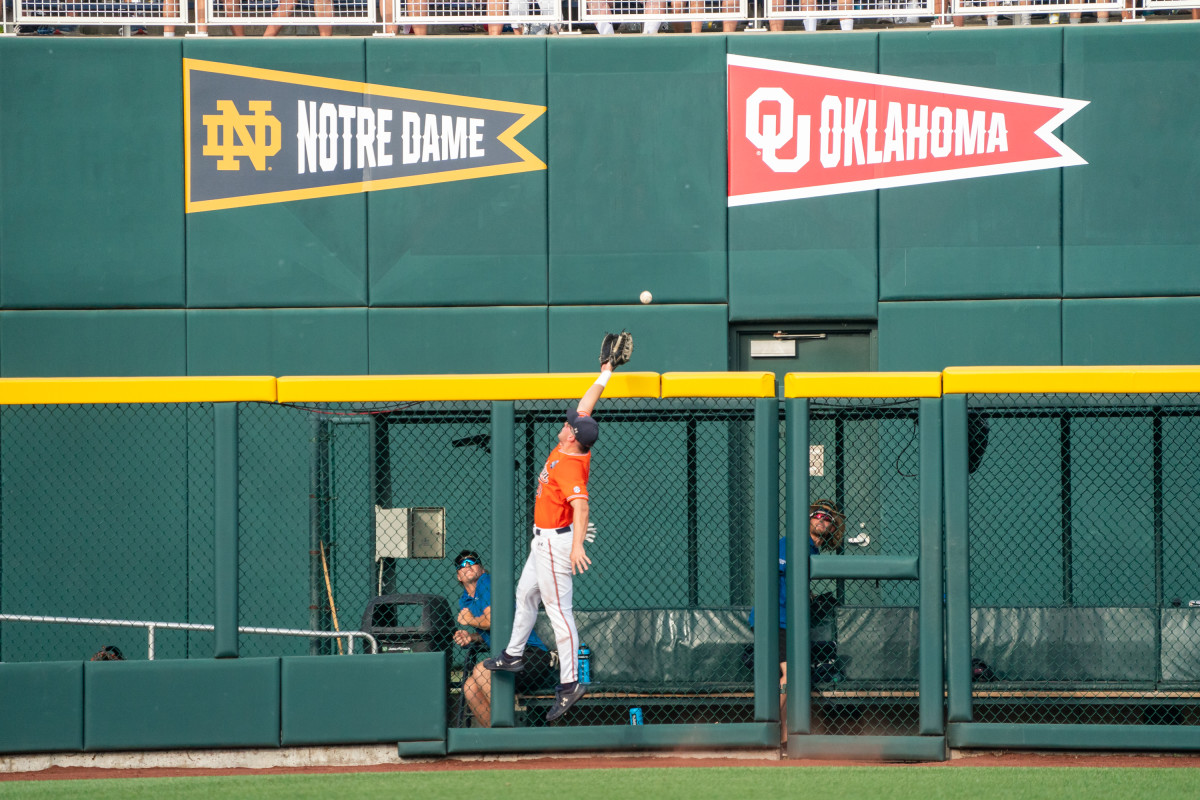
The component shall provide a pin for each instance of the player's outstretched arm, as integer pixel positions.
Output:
(588, 402)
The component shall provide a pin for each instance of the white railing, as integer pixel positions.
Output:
(441, 12)
(98, 12)
(850, 9)
(383, 16)
(992, 7)
(291, 12)
(618, 11)
(153, 627)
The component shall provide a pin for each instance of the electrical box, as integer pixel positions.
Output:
(410, 532)
(816, 459)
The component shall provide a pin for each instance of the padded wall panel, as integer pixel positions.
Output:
(992, 237)
(301, 253)
(667, 338)
(158, 705)
(283, 341)
(41, 707)
(92, 343)
(466, 341)
(637, 170)
(381, 698)
(92, 215)
(935, 335)
(1148, 330)
(813, 258)
(473, 242)
(1129, 225)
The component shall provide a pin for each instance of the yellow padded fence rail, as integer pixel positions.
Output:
(1071, 380)
(409, 388)
(862, 384)
(718, 384)
(543, 386)
(64, 391)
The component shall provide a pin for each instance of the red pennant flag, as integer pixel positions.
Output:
(797, 130)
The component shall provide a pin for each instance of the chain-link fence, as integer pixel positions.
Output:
(863, 463)
(664, 607)
(1084, 593)
(1085, 588)
(352, 516)
(107, 513)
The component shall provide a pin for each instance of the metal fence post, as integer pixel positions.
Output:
(225, 525)
(503, 532)
(930, 656)
(766, 546)
(799, 707)
(958, 562)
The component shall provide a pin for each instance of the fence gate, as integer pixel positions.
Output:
(864, 622)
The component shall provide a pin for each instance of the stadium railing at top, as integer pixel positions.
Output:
(382, 17)
(293, 12)
(100, 12)
(1070, 557)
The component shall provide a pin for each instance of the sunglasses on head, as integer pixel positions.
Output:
(466, 562)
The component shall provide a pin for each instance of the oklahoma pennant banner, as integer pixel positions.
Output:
(254, 136)
(797, 130)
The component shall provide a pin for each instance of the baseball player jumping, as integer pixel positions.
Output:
(560, 521)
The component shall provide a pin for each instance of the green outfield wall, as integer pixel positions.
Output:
(102, 272)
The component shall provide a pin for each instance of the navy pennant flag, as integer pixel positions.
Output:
(255, 136)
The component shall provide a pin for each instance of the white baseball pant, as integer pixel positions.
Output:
(546, 579)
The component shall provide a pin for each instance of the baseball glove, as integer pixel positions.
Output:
(616, 348)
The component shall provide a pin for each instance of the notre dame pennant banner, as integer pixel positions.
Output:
(255, 136)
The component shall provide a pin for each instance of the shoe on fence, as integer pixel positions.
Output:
(505, 663)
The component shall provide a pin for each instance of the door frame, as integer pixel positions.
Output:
(739, 330)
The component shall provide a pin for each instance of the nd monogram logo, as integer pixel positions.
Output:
(222, 129)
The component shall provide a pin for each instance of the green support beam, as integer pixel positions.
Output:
(1074, 737)
(799, 709)
(503, 568)
(868, 748)
(930, 670)
(225, 526)
(766, 550)
(958, 562)
(611, 737)
(885, 568)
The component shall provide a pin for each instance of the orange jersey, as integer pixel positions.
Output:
(563, 479)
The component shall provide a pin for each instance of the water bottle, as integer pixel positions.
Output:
(585, 663)
(635, 716)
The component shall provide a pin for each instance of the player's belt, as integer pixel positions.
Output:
(564, 529)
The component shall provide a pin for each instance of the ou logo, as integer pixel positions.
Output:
(770, 133)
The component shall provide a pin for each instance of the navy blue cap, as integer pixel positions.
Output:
(584, 427)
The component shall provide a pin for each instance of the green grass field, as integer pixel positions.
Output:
(736, 783)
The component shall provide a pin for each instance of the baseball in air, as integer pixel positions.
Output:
(646, 297)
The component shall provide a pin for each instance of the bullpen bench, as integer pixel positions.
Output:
(677, 665)
(1122, 664)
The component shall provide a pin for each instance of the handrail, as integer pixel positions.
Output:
(152, 627)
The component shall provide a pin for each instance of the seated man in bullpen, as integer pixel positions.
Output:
(475, 611)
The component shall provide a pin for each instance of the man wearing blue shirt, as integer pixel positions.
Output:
(475, 612)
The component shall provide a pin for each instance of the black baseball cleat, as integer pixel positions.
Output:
(564, 699)
(505, 663)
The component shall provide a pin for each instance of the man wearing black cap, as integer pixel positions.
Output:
(475, 611)
(560, 521)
